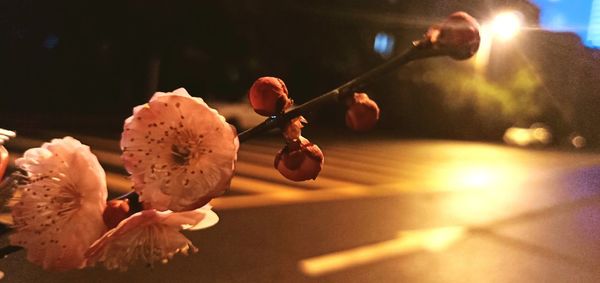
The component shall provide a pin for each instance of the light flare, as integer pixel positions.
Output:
(507, 25)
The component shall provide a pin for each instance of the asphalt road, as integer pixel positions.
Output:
(382, 210)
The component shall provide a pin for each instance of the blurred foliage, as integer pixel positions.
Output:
(515, 98)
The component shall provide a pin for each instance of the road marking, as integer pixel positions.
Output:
(407, 242)
(269, 189)
(254, 186)
(118, 183)
(262, 175)
(122, 184)
(242, 168)
(356, 175)
(330, 194)
(335, 168)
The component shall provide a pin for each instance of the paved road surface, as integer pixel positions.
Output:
(382, 211)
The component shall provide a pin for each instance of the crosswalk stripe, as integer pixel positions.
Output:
(251, 167)
(122, 184)
(358, 155)
(242, 168)
(339, 170)
(269, 173)
(390, 166)
(250, 178)
(352, 170)
(379, 154)
(254, 186)
(330, 194)
(366, 167)
(118, 183)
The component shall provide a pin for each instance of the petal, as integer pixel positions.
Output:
(146, 236)
(164, 177)
(210, 219)
(59, 212)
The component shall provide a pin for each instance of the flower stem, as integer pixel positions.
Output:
(339, 93)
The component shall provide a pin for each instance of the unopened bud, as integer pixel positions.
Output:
(269, 96)
(3, 161)
(115, 212)
(299, 160)
(362, 113)
(459, 34)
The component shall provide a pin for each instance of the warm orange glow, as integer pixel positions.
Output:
(518, 136)
(537, 134)
(475, 177)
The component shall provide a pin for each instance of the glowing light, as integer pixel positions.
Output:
(578, 141)
(507, 25)
(475, 177)
(537, 134)
(431, 240)
(517, 136)
(541, 135)
(483, 177)
(384, 44)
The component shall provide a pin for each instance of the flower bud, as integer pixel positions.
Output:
(269, 96)
(3, 161)
(299, 160)
(459, 33)
(362, 113)
(115, 212)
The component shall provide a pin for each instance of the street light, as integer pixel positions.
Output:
(507, 25)
(504, 26)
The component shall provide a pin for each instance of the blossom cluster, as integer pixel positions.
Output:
(180, 154)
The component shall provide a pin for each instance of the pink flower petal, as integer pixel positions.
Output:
(178, 151)
(58, 214)
(148, 236)
(3, 161)
(209, 220)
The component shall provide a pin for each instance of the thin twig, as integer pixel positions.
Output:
(339, 93)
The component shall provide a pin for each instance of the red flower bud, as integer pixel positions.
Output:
(299, 160)
(459, 33)
(115, 212)
(269, 96)
(362, 113)
(3, 160)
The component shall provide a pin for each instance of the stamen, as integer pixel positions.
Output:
(181, 154)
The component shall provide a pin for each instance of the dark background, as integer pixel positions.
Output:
(82, 66)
